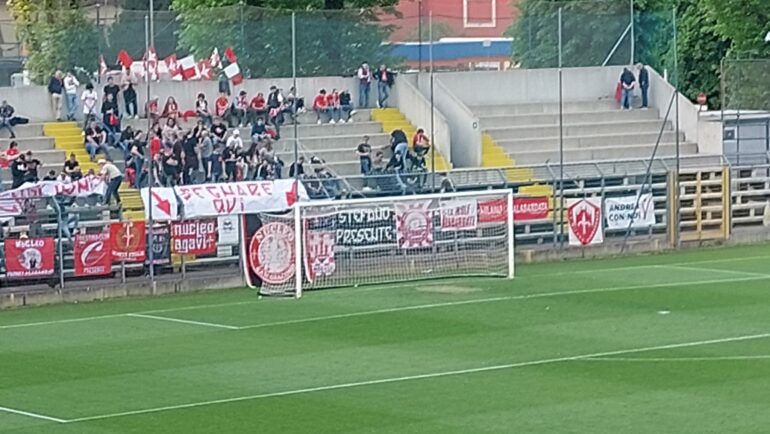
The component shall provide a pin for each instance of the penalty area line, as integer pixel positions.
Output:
(182, 321)
(32, 415)
(391, 380)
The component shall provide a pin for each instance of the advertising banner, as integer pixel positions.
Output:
(414, 224)
(161, 245)
(128, 241)
(228, 227)
(585, 221)
(31, 257)
(459, 215)
(524, 209)
(92, 254)
(622, 211)
(194, 237)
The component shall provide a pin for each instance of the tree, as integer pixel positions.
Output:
(743, 22)
(329, 42)
(55, 36)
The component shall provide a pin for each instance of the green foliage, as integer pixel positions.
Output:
(328, 42)
(743, 22)
(56, 37)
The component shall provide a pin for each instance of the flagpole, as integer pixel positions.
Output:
(432, 108)
(149, 146)
(152, 24)
(296, 92)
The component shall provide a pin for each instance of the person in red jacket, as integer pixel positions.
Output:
(222, 107)
(333, 101)
(258, 108)
(321, 105)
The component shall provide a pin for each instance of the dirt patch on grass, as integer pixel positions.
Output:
(448, 289)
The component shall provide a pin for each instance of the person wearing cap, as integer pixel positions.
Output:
(112, 177)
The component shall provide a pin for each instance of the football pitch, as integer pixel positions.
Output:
(653, 344)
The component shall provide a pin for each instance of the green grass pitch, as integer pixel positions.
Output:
(676, 343)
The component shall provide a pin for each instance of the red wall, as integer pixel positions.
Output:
(450, 12)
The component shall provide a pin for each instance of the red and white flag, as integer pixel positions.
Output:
(189, 69)
(172, 66)
(151, 57)
(138, 69)
(215, 61)
(230, 55)
(233, 72)
(102, 66)
(204, 67)
(124, 59)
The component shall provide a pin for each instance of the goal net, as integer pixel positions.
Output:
(344, 243)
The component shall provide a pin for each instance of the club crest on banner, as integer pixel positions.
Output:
(271, 253)
(585, 221)
(414, 224)
(128, 241)
(92, 255)
(319, 254)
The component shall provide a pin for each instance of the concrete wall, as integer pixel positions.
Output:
(416, 107)
(463, 124)
(708, 135)
(33, 101)
(532, 85)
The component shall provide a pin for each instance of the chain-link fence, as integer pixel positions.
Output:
(746, 84)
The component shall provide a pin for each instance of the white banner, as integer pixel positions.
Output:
(459, 215)
(11, 201)
(622, 210)
(214, 200)
(585, 221)
(414, 224)
(228, 227)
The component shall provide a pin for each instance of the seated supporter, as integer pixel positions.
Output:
(240, 109)
(259, 131)
(321, 106)
(171, 109)
(333, 102)
(72, 168)
(96, 141)
(275, 106)
(171, 130)
(218, 131)
(111, 117)
(19, 171)
(152, 109)
(420, 143)
(257, 108)
(346, 111)
(50, 176)
(202, 109)
(222, 108)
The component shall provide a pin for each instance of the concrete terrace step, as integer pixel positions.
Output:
(543, 107)
(603, 153)
(333, 142)
(535, 131)
(497, 121)
(617, 140)
(33, 144)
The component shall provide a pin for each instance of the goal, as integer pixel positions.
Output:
(348, 243)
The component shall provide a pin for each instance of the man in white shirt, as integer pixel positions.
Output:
(364, 83)
(90, 101)
(112, 176)
(71, 85)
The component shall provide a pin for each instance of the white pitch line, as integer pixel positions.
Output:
(32, 415)
(419, 377)
(501, 298)
(183, 321)
(677, 359)
(713, 270)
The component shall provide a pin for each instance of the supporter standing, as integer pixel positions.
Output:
(627, 83)
(6, 114)
(33, 165)
(18, 171)
(112, 176)
(644, 84)
(129, 97)
(364, 153)
(111, 89)
(364, 84)
(90, 99)
(385, 81)
(55, 89)
(297, 168)
(206, 149)
(71, 85)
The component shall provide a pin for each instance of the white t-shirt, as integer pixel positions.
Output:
(89, 98)
(110, 170)
(71, 85)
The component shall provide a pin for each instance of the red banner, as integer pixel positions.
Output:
(270, 252)
(128, 241)
(195, 237)
(319, 254)
(92, 255)
(32, 257)
(524, 209)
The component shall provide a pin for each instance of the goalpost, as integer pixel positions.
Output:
(347, 243)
